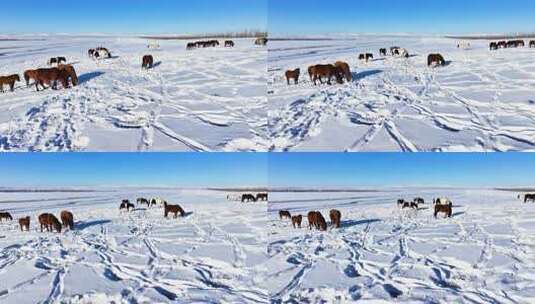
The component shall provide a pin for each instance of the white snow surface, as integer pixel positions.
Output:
(485, 253)
(216, 254)
(479, 101)
(211, 99)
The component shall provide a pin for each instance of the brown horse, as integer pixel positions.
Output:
(24, 223)
(296, 220)
(344, 67)
(147, 62)
(444, 209)
(335, 216)
(67, 219)
(47, 76)
(229, 43)
(284, 214)
(30, 74)
(50, 222)
(321, 224)
(293, 75)
(326, 70)
(435, 59)
(9, 80)
(312, 217)
(67, 72)
(125, 204)
(173, 209)
(6, 216)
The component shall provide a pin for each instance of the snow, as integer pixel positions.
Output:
(210, 99)
(216, 254)
(485, 253)
(480, 101)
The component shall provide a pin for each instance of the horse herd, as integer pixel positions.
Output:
(315, 219)
(47, 221)
(340, 70)
(441, 205)
(509, 44)
(248, 197)
(262, 41)
(527, 197)
(168, 208)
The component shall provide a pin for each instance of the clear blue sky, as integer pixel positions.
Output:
(132, 16)
(133, 169)
(402, 169)
(395, 16)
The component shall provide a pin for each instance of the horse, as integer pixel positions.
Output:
(91, 53)
(50, 222)
(261, 196)
(5, 215)
(412, 205)
(493, 46)
(447, 209)
(532, 44)
(292, 74)
(382, 52)
(48, 76)
(312, 217)
(441, 201)
(284, 214)
(296, 220)
(326, 70)
(502, 44)
(176, 209)
(229, 43)
(24, 223)
(399, 52)
(321, 224)
(247, 197)
(9, 80)
(400, 202)
(527, 197)
(125, 204)
(419, 200)
(335, 216)
(191, 46)
(157, 201)
(144, 201)
(366, 56)
(67, 72)
(102, 52)
(262, 41)
(346, 71)
(53, 60)
(30, 74)
(435, 59)
(147, 62)
(67, 219)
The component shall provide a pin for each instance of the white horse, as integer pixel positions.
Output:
(234, 197)
(399, 52)
(465, 45)
(442, 201)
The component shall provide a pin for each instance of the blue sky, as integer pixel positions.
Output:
(132, 16)
(133, 169)
(389, 16)
(402, 169)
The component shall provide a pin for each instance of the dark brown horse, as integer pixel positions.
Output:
(296, 221)
(261, 196)
(312, 217)
(147, 62)
(493, 46)
(447, 209)
(67, 219)
(292, 74)
(336, 217)
(346, 71)
(435, 59)
(47, 76)
(229, 43)
(10, 81)
(327, 71)
(125, 204)
(50, 222)
(24, 223)
(176, 209)
(284, 214)
(6, 216)
(247, 197)
(67, 75)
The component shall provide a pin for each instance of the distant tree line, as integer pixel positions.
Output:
(241, 34)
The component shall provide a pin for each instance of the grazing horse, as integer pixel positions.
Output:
(400, 202)
(447, 209)
(382, 52)
(412, 205)
(399, 52)
(321, 224)
(147, 62)
(6, 216)
(261, 41)
(419, 200)
(144, 201)
(91, 53)
(50, 222)
(229, 43)
(67, 219)
(441, 201)
(284, 214)
(292, 75)
(47, 76)
(532, 44)
(435, 59)
(190, 46)
(493, 46)
(157, 201)
(296, 220)
(125, 204)
(176, 209)
(366, 56)
(9, 80)
(335, 216)
(247, 197)
(344, 68)
(312, 217)
(24, 223)
(527, 197)
(261, 196)
(67, 72)
(502, 44)
(325, 70)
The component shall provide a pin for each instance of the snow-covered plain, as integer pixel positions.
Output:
(216, 254)
(485, 253)
(211, 99)
(480, 101)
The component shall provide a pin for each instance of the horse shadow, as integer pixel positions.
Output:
(457, 213)
(188, 214)
(85, 225)
(447, 62)
(364, 74)
(352, 223)
(89, 76)
(156, 64)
